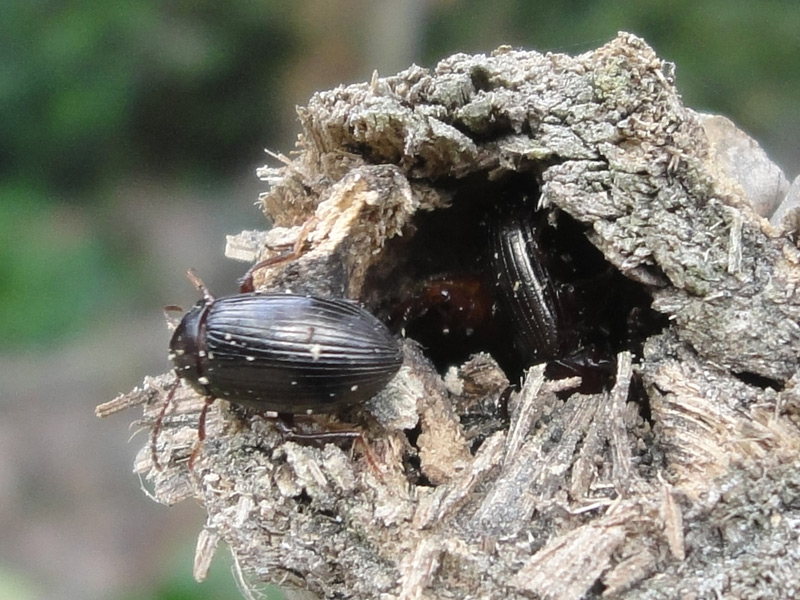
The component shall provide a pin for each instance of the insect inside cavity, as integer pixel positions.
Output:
(284, 353)
(557, 309)
(526, 288)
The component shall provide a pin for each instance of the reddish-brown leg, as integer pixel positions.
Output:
(157, 426)
(285, 426)
(246, 285)
(201, 431)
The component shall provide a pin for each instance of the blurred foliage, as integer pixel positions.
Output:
(92, 91)
(179, 584)
(94, 95)
(51, 265)
(17, 586)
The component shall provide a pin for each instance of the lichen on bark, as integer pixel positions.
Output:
(679, 480)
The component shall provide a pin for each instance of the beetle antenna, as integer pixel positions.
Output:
(198, 283)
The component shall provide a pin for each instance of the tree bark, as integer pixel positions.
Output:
(680, 480)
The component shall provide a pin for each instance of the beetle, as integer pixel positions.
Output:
(520, 293)
(564, 324)
(526, 287)
(285, 353)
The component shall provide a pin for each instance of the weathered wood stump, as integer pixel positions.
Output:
(679, 480)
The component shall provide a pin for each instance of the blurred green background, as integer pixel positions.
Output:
(129, 138)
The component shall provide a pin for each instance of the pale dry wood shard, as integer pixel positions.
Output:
(680, 480)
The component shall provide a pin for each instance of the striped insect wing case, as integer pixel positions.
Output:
(293, 354)
(525, 287)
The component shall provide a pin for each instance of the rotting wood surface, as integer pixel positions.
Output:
(578, 495)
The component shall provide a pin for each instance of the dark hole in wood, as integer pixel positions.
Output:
(759, 381)
(437, 285)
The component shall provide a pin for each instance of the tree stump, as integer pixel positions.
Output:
(678, 479)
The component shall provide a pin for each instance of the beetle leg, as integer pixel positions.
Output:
(201, 431)
(159, 423)
(285, 426)
(246, 285)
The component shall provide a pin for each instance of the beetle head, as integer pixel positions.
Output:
(185, 347)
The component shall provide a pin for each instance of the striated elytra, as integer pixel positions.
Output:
(286, 353)
(526, 288)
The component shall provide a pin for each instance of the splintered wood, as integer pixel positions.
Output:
(679, 479)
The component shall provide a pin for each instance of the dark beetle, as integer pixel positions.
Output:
(564, 324)
(526, 287)
(285, 353)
